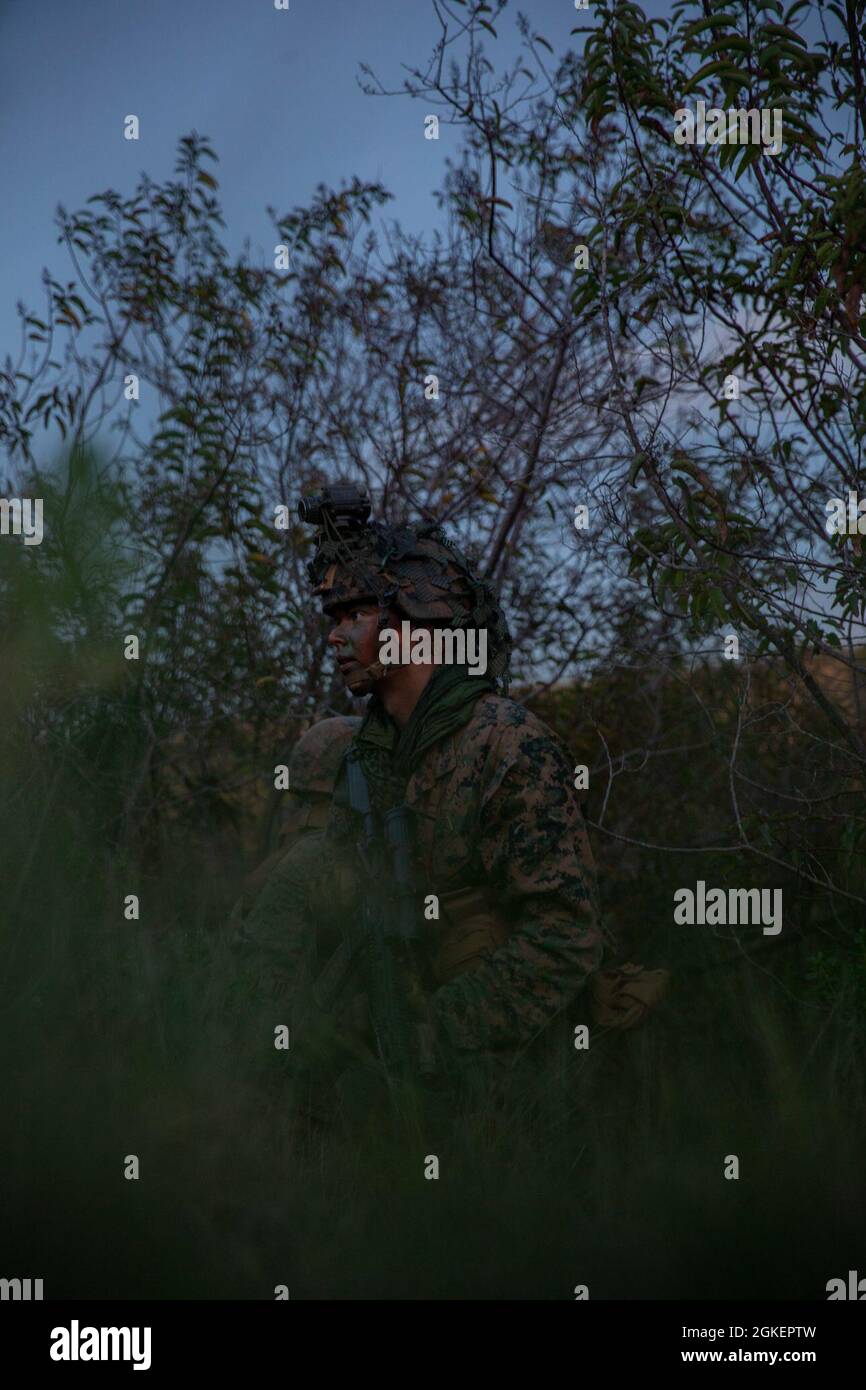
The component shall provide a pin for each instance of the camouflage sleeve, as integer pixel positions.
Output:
(535, 853)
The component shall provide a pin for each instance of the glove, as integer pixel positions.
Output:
(622, 997)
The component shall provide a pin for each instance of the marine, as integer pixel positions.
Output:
(499, 932)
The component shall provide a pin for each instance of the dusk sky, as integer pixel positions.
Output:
(276, 92)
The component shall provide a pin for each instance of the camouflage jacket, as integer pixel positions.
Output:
(502, 847)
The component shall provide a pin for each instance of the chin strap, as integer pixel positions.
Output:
(377, 671)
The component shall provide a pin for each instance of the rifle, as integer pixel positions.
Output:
(391, 936)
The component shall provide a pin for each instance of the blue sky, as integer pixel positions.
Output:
(276, 92)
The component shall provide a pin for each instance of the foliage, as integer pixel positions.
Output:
(559, 386)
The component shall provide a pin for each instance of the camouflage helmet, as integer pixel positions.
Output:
(418, 571)
(317, 755)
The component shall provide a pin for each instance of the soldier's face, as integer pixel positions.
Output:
(355, 639)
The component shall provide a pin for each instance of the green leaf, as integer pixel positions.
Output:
(728, 42)
(721, 68)
(750, 155)
(717, 602)
(716, 21)
(822, 301)
(782, 31)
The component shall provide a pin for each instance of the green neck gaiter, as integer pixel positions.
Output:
(390, 755)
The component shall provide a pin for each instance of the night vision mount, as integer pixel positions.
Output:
(343, 507)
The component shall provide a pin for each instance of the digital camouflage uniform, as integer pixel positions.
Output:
(500, 840)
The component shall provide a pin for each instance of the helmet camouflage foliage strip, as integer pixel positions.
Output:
(418, 571)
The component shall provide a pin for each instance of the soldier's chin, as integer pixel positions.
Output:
(358, 681)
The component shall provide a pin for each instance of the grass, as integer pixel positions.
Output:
(143, 1038)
